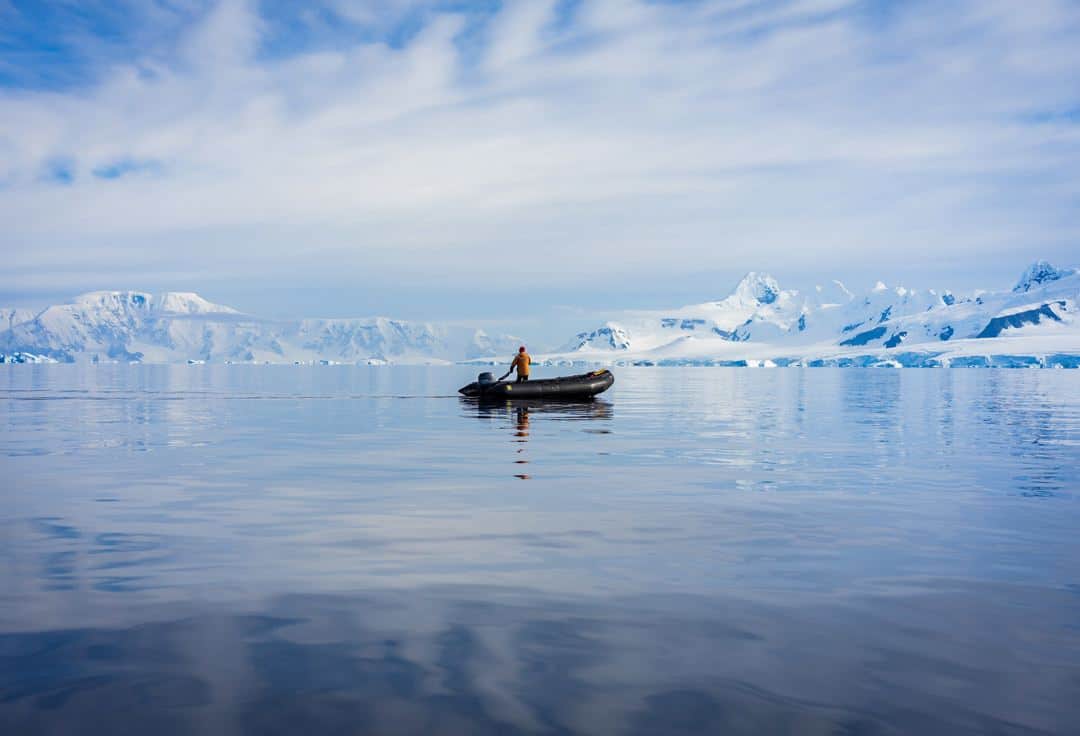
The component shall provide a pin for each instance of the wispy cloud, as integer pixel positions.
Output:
(424, 141)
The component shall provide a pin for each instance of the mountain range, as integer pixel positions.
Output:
(1032, 324)
(133, 326)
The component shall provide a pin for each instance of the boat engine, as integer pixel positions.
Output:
(485, 379)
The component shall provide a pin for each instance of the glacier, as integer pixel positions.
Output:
(759, 324)
(182, 327)
(1033, 324)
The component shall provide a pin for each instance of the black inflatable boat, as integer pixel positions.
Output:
(568, 387)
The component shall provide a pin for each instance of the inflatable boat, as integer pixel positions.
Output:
(583, 386)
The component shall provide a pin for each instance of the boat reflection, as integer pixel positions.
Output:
(545, 409)
(520, 413)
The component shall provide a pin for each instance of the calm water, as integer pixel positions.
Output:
(247, 549)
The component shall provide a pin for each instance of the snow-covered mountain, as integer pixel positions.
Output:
(178, 327)
(11, 317)
(1035, 323)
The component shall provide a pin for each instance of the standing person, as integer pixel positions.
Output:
(521, 362)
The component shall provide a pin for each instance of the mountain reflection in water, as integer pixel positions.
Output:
(339, 549)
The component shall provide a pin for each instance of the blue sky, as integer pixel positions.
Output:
(536, 160)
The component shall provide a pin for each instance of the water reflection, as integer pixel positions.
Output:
(521, 422)
(547, 409)
(497, 661)
(518, 414)
(240, 549)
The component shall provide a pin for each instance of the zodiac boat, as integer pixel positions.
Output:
(583, 386)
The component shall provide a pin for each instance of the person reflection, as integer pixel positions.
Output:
(520, 414)
(521, 434)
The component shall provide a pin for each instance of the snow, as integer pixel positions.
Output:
(20, 357)
(1034, 324)
(610, 336)
(758, 324)
(1040, 273)
(178, 327)
(1016, 319)
(9, 317)
(754, 289)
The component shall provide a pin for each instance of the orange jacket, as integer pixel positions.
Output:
(521, 361)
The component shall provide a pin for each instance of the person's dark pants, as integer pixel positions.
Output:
(522, 379)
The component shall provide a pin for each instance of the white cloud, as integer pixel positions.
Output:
(641, 140)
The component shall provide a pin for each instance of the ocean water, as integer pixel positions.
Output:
(261, 549)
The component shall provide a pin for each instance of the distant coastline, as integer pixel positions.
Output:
(1032, 325)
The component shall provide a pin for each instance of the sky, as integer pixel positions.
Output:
(534, 163)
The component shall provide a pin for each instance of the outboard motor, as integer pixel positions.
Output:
(480, 386)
